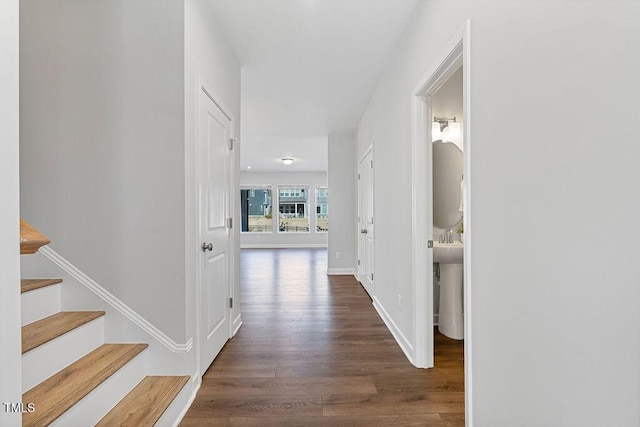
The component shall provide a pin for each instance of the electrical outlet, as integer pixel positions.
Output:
(337, 255)
(399, 302)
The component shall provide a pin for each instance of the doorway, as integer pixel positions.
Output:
(454, 56)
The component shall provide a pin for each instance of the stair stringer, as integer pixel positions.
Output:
(121, 324)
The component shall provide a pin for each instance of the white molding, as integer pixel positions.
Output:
(113, 301)
(196, 382)
(235, 327)
(468, 335)
(400, 338)
(341, 272)
(282, 245)
(367, 150)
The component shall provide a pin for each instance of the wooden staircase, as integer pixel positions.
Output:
(70, 375)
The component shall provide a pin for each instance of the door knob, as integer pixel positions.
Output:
(364, 231)
(207, 247)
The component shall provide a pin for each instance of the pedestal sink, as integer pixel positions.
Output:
(450, 258)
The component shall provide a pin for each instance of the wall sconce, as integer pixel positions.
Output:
(444, 129)
(287, 160)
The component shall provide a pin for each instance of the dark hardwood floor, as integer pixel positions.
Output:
(312, 351)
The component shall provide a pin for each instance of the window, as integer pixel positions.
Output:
(322, 209)
(293, 208)
(256, 210)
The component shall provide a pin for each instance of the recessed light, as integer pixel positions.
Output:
(287, 160)
(248, 167)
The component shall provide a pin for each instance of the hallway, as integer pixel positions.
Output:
(313, 351)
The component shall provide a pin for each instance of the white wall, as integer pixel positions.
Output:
(290, 240)
(10, 354)
(342, 204)
(102, 144)
(208, 55)
(551, 345)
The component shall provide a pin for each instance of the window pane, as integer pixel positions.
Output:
(256, 210)
(322, 209)
(293, 208)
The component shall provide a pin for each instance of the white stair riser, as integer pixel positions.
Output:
(50, 358)
(40, 303)
(95, 405)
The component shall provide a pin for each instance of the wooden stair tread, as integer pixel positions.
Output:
(146, 403)
(44, 330)
(30, 238)
(60, 392)
(27, 285)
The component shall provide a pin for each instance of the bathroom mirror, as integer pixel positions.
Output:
(447, 177)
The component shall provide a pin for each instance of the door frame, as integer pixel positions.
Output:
(457, 53)
(204, 88)
(367, 151)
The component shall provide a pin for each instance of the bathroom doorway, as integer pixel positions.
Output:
(454, 58)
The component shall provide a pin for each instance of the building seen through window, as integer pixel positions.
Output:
(293, 208)
(256, 210)
(322, 209)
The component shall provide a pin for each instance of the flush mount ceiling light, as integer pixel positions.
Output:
(444, 128)
(287, 160)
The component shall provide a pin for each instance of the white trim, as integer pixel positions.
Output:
(113, 301)
(235, 325)
(341, 271)
(196, 382)
(282, 245)
(366, 152)
(457, 53)
(468, 335)
(402, 341)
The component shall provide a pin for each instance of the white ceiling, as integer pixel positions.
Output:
(308, 70)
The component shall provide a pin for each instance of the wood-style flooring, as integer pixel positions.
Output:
(312, 351)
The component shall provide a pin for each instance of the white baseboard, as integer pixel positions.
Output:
(340, 271)
(194, 383)
(402, 341)
(237, 322)
(282, 245)
(436, 319)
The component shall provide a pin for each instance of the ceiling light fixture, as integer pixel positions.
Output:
(287, 160)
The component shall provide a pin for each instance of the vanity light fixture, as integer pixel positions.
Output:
(444, 128)
(287, 160)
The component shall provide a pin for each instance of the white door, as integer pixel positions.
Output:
(214, 138)
(365, 223)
